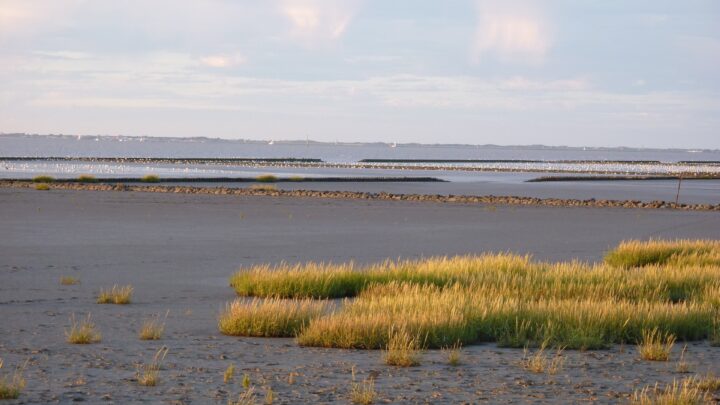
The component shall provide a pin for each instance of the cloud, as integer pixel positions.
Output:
(316, 22)
(223, 61)
(511, 31)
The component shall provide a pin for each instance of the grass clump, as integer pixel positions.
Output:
(678, 252)
(542, 362)
(42, 187)
(229, 373)
(43, 179)
(115, 295)
(82, 332)
(150, 178)
(11, 386)
(296, 178)
(247, 397)
(266, 178)
(86, 178)
(656, 345)
(153, 328)
(454, 354)
(362, 393)
(403, 349)
(148, 375)
(272, 317)
(69, 280)
(683, 392)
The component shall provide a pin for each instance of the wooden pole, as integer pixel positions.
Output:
(677, 196)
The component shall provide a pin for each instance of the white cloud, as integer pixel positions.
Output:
(511, 30)
(223, 61)
(316, 22)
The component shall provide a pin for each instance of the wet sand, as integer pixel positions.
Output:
(178, 250)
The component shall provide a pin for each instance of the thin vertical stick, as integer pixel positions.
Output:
(677, 196)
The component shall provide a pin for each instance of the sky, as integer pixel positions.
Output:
(639, 73)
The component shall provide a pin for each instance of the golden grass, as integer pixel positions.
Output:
(542, 362)
(677, 252)
(454, 354)
(246, 381)
(153, 328)
(505, 298)
(11, 386)
(362, 393)
(683, 392)
(69, 280)
(272, 317)
(247, 397)
(656, 345)
(115, 295)
(403, 349)
(709, 383)
(229, 373)
(148, 375)
(82, 332)
(42, 187)
(269, 396)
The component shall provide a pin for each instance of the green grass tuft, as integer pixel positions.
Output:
(678, 252)
(272, 317)
(86, 178)
(266, 178)
(150, 178)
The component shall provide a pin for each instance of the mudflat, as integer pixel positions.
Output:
(178, 250)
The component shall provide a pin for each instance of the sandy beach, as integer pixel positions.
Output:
(178, 251)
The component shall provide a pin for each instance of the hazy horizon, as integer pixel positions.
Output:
(591, 74)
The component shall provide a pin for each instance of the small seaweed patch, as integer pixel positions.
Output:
(42, 186)
(69, 280)
(11, 386)
(82, 332)
(272, 317)
(43, 179)
(150, 178)
(86, 178)
(115, 295)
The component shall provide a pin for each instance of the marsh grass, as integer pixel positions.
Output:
(454, 354)
(11, 386)
(115, 295)
(148, 375)
(229, 373)
(656, 345)
(266, 178)
(69, 280)
(82, 332)
(296, 178)
(503, 298)
(246, 381)
(269, 396)
(42, 186)
(678, 252)
(362, 393)
(708, 382)
(683, 392)
(247, 397)
(541, 362)
(271, 317)
(682, 365)
(715, 332)
(43, 179)
(403, 349)
(153, 328)
(150, 178)
(86, 178)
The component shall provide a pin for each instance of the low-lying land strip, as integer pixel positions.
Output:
(358, 195)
